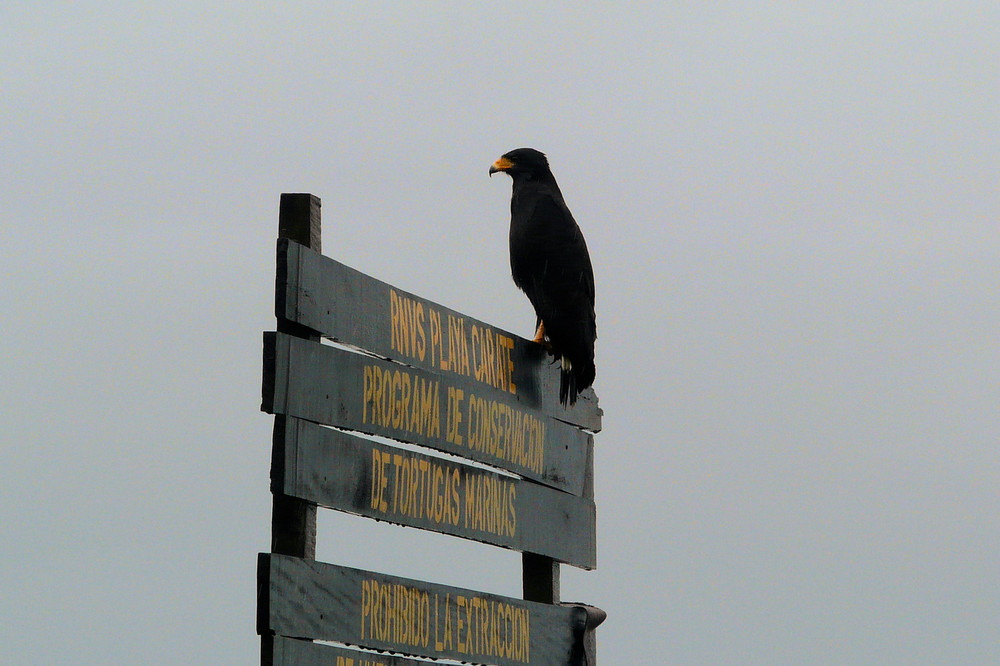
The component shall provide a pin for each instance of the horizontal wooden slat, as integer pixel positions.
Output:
(351, 307)
(359, 476)
(296, 652)
(336, 387)
(307, 599)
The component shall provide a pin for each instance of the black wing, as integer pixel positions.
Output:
(550, 262)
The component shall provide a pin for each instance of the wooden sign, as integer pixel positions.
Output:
(341, 303)
(359, 476)
(406, 369)
(299, 597)
(336, 387)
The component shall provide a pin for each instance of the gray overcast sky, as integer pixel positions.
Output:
(792, 211)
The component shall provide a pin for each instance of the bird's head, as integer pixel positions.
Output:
(522, 162)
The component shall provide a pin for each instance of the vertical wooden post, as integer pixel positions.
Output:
(595, 616)
(540, 574)
(540, 578)
(293, 521)
(299, 220)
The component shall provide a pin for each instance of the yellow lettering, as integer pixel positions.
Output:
(379, 480)
(406, 326)
(460, 605)
(397, 460)
(504, 433)
(366, 605)
(394, 320)
(454, 415)
(508, 344)
(395, 613)
(394, 398)
(455, 506)
(511, 512)
(420, 339)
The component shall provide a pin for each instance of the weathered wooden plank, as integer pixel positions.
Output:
(351, 307)
(307, 599)
(336, 387)
(360, 476)
(296, 652)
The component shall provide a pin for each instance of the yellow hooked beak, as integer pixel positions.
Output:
(501, 164)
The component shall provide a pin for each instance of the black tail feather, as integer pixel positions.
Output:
(573, 380)
(567, 384)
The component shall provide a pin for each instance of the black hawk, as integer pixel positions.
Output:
(550, 263)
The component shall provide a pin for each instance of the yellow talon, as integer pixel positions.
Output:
(540, 334)
(540, 337)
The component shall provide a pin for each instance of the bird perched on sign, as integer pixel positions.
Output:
(550, 263)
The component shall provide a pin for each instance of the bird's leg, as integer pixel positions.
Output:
(540, 334)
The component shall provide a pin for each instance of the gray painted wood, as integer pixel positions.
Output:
(343, 304)
(336, 387)
(339, 471)
(307, 599)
